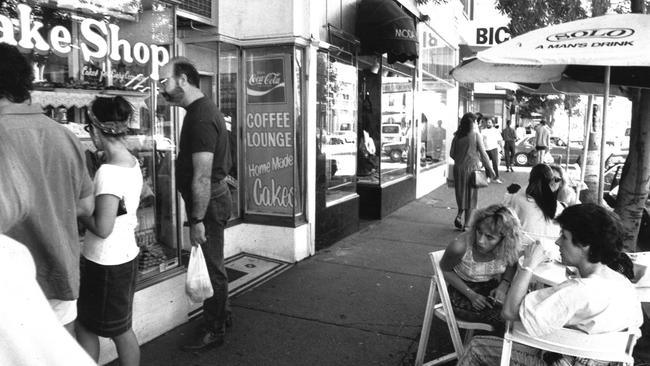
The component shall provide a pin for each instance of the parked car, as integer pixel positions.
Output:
(390, 133)
(612, 177)
(525, 151)
(616, 157)
(397, 151)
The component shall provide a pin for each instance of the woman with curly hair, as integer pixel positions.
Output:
(479, 264)
(537, 206)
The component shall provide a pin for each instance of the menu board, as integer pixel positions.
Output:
(269, 132)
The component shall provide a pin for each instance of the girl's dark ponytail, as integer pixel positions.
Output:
(621, 262)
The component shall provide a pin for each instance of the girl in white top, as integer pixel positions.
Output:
(109, 254)
(601, 300)
(537, 206)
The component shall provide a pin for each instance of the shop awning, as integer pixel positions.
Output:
(383, 27)
(122, 9)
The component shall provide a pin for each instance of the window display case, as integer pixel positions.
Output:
(336, 146)
(108, 56)
(386, 139)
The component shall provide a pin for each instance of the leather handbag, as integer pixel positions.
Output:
(478, 179)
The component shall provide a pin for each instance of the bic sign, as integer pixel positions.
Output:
(491, 35)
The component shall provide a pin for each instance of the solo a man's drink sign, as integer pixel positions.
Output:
(269, 135)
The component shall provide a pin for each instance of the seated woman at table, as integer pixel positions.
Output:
(537, 206)
(565, 193)
(480, 263)
(602, 300)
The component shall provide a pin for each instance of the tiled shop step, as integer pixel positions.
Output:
(247, 271)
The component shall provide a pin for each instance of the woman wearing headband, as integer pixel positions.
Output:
(109, 254)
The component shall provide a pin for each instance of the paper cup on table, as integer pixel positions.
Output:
(551, 250)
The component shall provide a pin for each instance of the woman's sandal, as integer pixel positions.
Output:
(458, 223)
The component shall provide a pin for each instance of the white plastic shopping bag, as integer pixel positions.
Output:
(197, 285)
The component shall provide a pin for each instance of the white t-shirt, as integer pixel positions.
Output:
(120, 246)
(30, 333)
(531, 216)
(604, 302)
(491, 138)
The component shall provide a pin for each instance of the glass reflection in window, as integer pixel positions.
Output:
(337, 126)
(396, 121)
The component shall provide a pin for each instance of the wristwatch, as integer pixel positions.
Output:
(195, 220)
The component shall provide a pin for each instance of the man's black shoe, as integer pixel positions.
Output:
(205, 340)
(228, 321)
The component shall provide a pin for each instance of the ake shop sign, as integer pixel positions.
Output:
(269, 131)
(98, 40)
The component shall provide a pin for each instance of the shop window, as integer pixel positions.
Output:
(336, 147)
(272, 127)
(386, 122)
(437, 58)
(229, 60)
(66, 82)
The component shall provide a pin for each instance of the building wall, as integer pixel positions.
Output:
(264, 19)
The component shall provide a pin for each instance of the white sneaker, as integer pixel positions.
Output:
(498, 181)
(488, 180)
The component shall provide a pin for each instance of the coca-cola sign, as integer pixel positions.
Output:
(265, 81)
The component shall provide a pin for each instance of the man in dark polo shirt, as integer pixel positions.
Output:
(202, 164)
(56, 172)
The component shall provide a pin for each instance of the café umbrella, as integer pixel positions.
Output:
(609, 49)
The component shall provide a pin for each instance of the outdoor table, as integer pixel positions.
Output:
(552, 273)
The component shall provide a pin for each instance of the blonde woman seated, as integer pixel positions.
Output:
(601, 300)
(480, 263)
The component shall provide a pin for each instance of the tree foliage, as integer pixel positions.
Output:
(528, 15)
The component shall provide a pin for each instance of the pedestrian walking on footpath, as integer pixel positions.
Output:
(509, 136)
(492, 142)
(468, 153)
(202, 164)
(542, 140)
(54, 161)
(109, 261)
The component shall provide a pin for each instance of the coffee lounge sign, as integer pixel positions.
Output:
(98, 40)
(269, 136)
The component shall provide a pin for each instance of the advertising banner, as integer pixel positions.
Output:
(269, 132)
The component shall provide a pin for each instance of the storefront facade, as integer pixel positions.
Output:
(325, 126)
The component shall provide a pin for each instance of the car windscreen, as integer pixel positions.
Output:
(390, 129)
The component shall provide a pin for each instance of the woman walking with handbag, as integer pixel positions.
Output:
(468, 153)
(109, 260)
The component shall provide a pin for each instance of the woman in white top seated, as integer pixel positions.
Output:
(537, 206)
(601, 300)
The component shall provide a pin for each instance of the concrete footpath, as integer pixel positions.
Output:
(359, 302)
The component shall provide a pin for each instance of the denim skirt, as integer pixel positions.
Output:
(105, 304)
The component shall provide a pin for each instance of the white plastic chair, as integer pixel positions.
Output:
(438, 304)
(612, 347)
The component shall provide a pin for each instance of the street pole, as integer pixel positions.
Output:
(603, 141)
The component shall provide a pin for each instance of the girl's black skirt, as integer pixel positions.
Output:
(105, 304)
